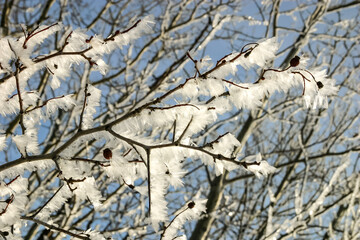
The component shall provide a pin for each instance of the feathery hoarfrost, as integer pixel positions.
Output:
(226, 145)
(259, 167)
(27, 143)
(92, 101)
(15, 194)
(65, 103)
(26, 167)
(94, 235)
(188, 115)
(2, 142)
(120, 169)
(87, 190)
(58, 199)
(76, 175)
(192, 210)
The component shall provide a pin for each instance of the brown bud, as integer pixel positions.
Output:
(247, 54)
(295, 61)
(107, 153)
(320, 84)
(88, 40)
(191, 204)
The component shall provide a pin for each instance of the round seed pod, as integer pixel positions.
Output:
(107, 153)
(295, 61)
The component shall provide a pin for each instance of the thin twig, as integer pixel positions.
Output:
(195, 63)
(42, 207)
(83, 108)
(7, 184)
(33, 34)
(148, 178)
(183, 133)
(60, 52)
(44, 103)
(174, 106)
(52, 227)
(166, 227)
(174, 133)
(224, 80)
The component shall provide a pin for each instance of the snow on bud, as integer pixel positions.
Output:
(317, 91)
(94, 235)
(144, 25)
(55, 82)
(6, 53)
(87, 190)
(38, 36)
(27, 143)
(192, 210)
(76, 41)
(92, 101)
(65, 103)
(260, 167)
(263, 52)
(56, 202)
(101, 66)
(15, 195)
(21, 141)
(2, 142)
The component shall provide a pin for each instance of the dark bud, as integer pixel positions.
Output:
(8, 201)
(117, 32)
(320, 84)
(247, 54)
(167, 172)
(107, 153)
(191, 204)
(88, 40)
(131, 186)
(89, 94)
(295, 61)
(55, 66)
(4, 233)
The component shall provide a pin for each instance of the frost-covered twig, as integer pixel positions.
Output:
(183, 133)
(43, 104)
(195, 64)
(148, 178)
(83, 107)
(33, 33)
(47, 202)
(8, 202)
(171, 222)
(52, 227)
(174, 106)
(17, 70)
(61, 52)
